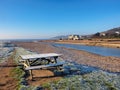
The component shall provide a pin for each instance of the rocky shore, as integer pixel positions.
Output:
(111, 64)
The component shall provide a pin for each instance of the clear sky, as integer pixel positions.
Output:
(48, 18)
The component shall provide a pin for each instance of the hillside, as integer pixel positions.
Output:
(115, 32)
(112, 31)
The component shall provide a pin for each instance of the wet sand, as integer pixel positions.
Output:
(106, 63)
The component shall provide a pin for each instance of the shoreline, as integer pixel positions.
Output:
(82, 57)
(88, 43)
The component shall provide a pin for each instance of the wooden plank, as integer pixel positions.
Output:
(34, 56)
(21, 60)
(28, 62)
(44, 66)
(31, 74)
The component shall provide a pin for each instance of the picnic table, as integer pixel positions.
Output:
(41, 61)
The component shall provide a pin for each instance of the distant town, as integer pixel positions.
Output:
(109, 34)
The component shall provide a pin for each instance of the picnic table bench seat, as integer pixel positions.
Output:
(44, 66)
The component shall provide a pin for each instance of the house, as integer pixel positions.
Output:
(102, 34)
(117, 33)
(70, 37)
(73, 37)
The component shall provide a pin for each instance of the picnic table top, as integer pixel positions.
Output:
(35, 56)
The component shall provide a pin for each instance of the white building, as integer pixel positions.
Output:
(73, 37)
(118, 33)
(102, 34)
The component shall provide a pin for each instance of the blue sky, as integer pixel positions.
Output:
(21, 19)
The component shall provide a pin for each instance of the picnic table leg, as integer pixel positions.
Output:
(30, 71)
(31, 74)
(55, 59)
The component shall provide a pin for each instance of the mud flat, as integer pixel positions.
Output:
(106, 63)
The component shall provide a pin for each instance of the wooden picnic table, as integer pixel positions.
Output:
(40, 61)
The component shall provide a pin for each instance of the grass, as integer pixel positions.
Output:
(18, 73)
(110, 86)
(46, 86)
(93, 81)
